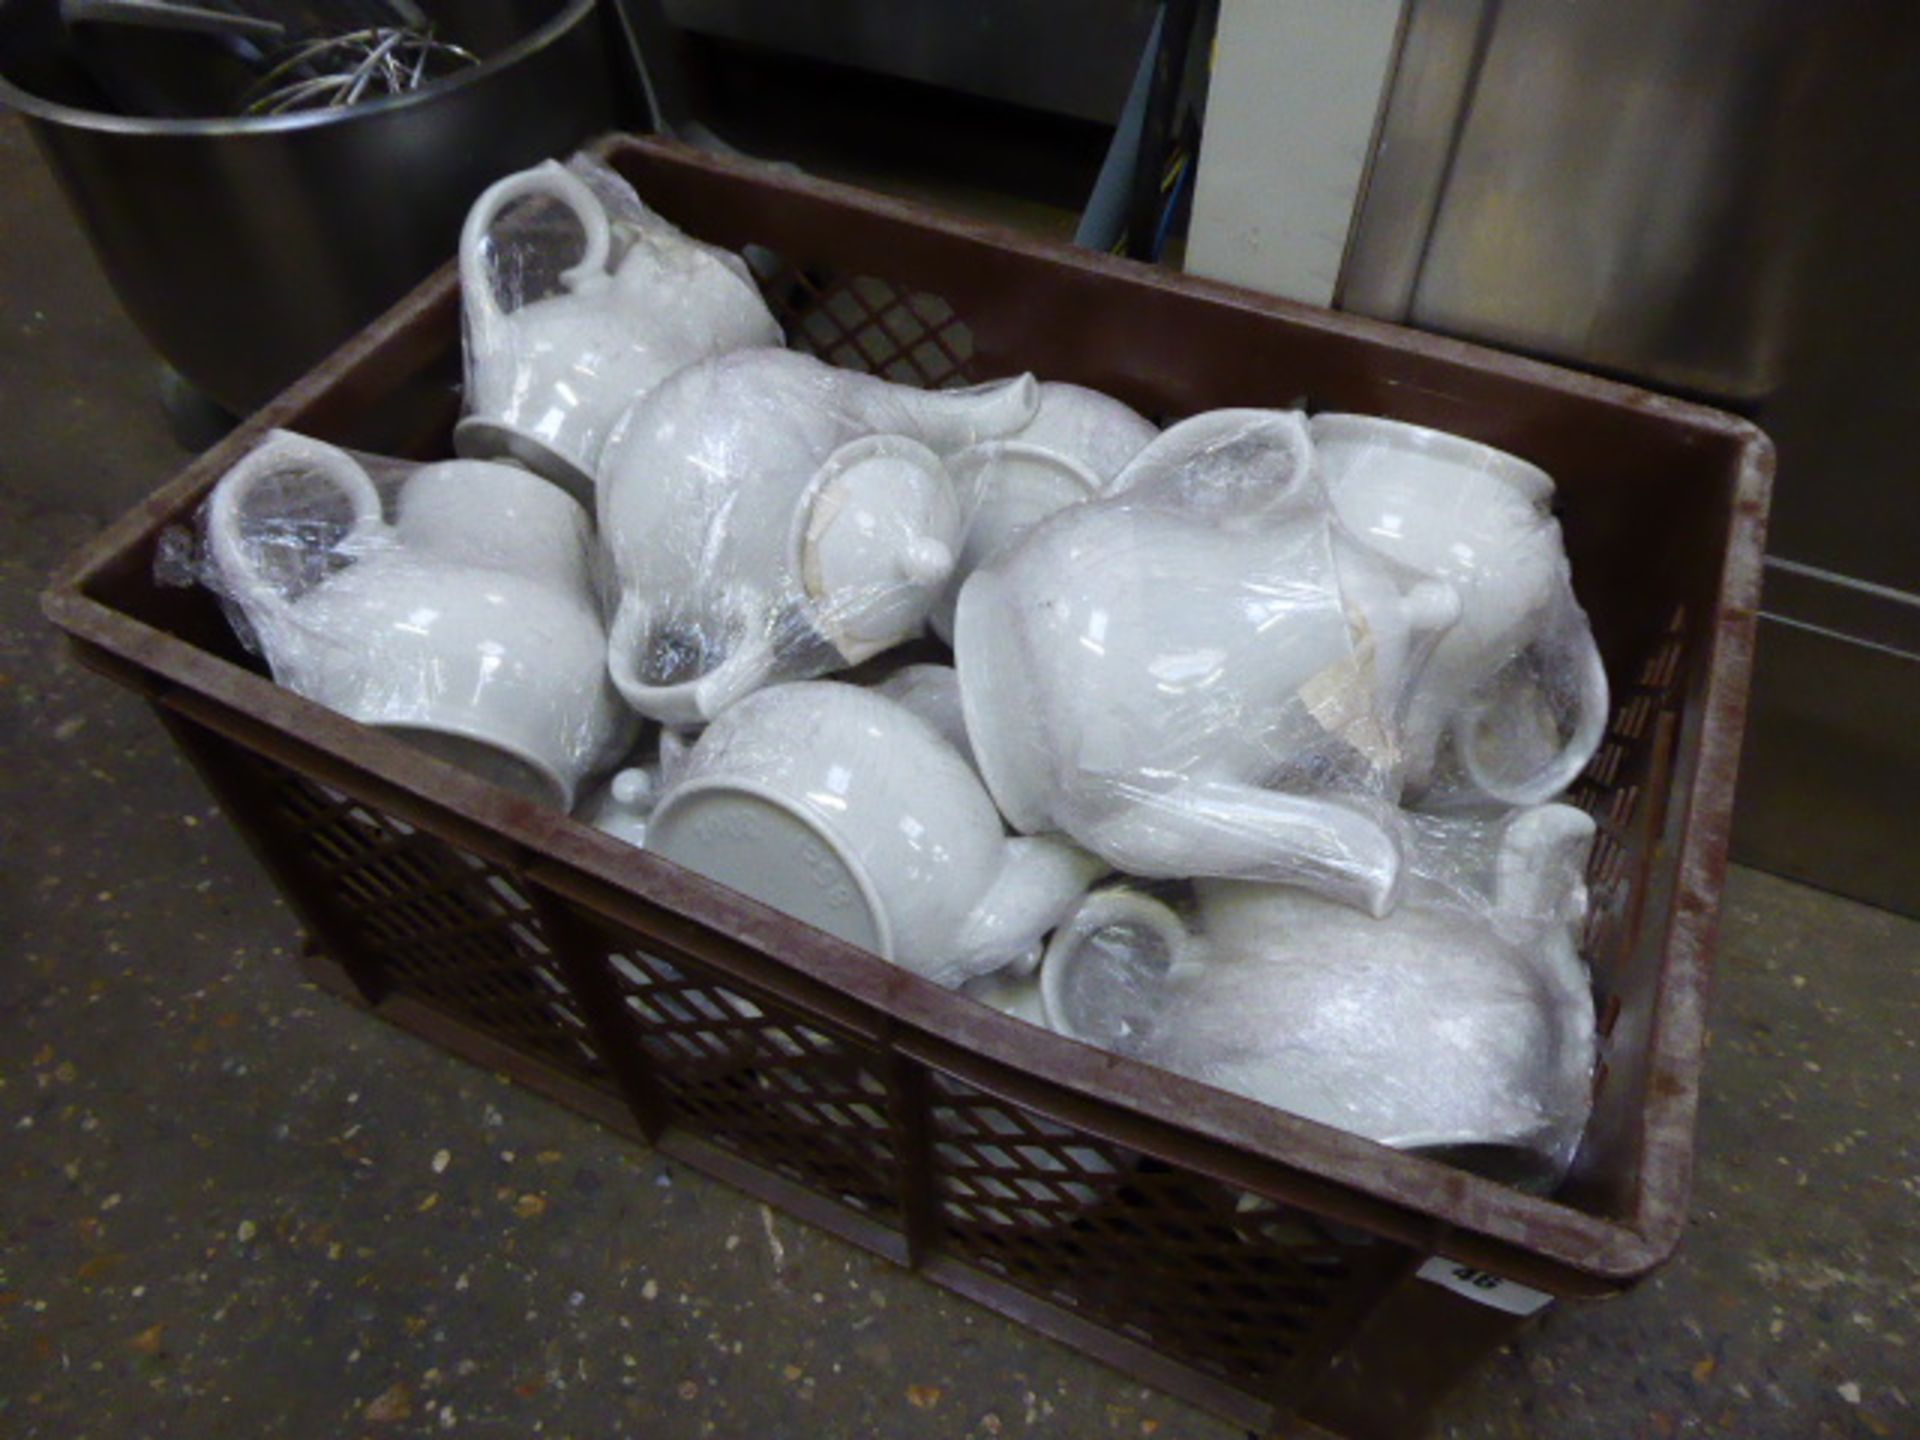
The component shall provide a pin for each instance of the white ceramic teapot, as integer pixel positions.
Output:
(1172, 674)
(1460, 1025)
(547, 381)
(1076, 445)
(771, 517)
(1477, 518)
(470, 625)
(846, 810)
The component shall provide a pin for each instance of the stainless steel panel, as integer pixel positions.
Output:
(1828, 788)
(1632, 180)
(1442, 46)
(1846, 414)
(1716, 197)
(1073, 57)
(1713, 196)
(1875, 615)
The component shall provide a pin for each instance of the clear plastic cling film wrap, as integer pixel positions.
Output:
(1512, 701)
(456, 604)
(772, 518)
(1460, 1025)
(1200, 673)
(578, 300)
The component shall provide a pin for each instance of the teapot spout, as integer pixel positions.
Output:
(1041, 879)
(948, 420)
(1346, 850)
(1540, 873)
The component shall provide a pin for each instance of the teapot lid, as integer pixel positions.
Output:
(875, 538)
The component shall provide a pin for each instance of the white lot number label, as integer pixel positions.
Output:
(1487, 1289)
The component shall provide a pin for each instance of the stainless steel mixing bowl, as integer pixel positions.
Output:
(245, 249)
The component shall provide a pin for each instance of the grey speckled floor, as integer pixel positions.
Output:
(230, 1207)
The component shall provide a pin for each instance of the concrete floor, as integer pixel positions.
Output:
(229, 1206)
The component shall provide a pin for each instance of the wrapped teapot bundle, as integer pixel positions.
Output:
(1201, 673)
(858, 810)
(577, 301)
(454, 604)
(1259, 641)
(771, 518)
(1224, 678)
(1460, 1025)
(1512, 703)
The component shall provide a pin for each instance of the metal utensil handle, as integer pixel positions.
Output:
(166, 15)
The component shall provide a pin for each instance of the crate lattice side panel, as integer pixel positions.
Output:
(435, 923)
(1239, 1287)
(760, 1079)
(1612, 790)
(863, 323)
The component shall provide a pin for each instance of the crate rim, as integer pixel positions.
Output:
(1537, 1241)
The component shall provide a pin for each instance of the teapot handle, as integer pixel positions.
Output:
(1591, 710)
(694, 701)
(1115, 908)
(554, 181)
(1239, 464)
(281, 453)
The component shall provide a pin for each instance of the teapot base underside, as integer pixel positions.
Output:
(756, 841)
(485, 760)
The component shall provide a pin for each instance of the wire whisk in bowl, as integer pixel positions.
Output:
(351, 68)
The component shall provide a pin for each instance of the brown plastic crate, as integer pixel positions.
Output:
(1256, 1263)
